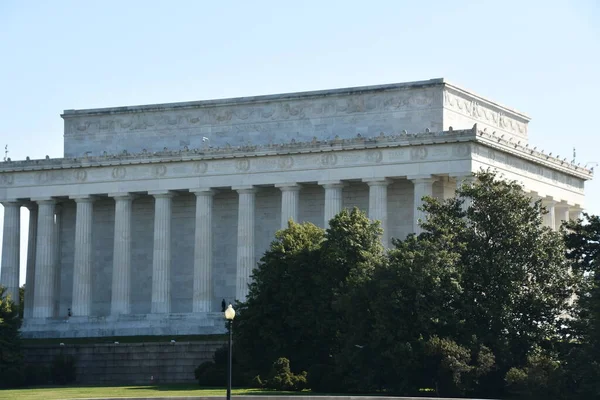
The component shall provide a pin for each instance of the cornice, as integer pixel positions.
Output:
(316, 146)
(514, 147)
(210, 153)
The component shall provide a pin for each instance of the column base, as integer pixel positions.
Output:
(125, 325)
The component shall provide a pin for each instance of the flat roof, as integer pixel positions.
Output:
(285, 96)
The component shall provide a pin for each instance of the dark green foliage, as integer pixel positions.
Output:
(214, 373)
(282, 378)
(473, 305)
(11, 357)
(207, 374)
(542, 378)
(63, 369)
(581, 355)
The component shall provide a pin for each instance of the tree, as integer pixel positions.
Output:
(581, 354)
(485, 277)
(11, 357)
(300, 301)
(288, 296)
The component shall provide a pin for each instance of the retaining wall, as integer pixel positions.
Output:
(129, 363)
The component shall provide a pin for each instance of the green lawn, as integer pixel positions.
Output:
(82, 392)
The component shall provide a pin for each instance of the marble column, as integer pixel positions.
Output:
(462, 180)
(203, 282)
(43, 300)
(121, 277)
(423, 186)
(161, 255)
(561, 214)
(57, 259)
(30, 272)
(549, 217)
(11, 242)
(378, 204)
(333, 200)
(82, 269)
(245, 240)
(290, 200)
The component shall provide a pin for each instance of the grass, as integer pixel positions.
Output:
(83, 392)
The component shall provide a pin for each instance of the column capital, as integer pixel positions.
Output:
(31, 205)
(288, 186)
(332, 184)
(377, 181)
(11, 203)
(161, 193)
(245, 189)
(44, 200)
(203, 192)
(122, 196)
(422, 178)
(83, 198)
(548, 201)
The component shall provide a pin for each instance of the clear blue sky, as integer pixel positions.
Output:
(540, 57)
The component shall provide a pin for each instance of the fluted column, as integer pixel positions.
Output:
(82, 272)
(30, 272)
(549, 217)
(378, 204)
(423, 186)
(121, 276)
(57, 261)
(561, 214)
(11, 242)
(161, 260)
(245, 240)
(333, 200)
(290, 199)
(43, 301)
(203, 293)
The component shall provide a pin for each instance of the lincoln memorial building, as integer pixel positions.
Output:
(158, 212)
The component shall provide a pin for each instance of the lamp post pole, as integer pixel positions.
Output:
(229, 316)
(229, 361)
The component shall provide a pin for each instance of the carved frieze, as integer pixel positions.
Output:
(477, 111)
(251, 117)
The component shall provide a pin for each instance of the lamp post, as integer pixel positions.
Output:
(229, 316)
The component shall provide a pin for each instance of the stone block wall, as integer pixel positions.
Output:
(129, 363)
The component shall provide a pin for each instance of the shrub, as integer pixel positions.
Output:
(282, 378)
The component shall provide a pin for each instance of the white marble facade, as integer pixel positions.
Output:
(158, 212)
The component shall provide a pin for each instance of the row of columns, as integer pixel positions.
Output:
(42, 266)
